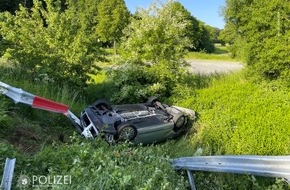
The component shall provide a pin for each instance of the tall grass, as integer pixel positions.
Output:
(30, 129)
(239, 117)
(235, 117)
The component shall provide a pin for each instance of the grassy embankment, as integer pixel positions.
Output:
(235, 116)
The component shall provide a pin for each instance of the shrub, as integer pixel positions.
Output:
(137, 83)
(52, 40)
(259, 34)
(153, 48)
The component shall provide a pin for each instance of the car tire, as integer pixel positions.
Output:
(179, 121)
(102, 103)
(126, 132)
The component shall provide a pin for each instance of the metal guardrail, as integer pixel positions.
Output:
(8, 174)
(268, 166)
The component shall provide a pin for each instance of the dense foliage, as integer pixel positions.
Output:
(61, 40)
(152, 50)
(113, 17)
(98, 165)
(259, 32)
(201, 36)
(49, 41)
(156, 34)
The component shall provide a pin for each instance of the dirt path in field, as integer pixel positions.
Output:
(210, 66)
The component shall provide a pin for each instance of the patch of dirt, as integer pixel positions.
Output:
(26, 140)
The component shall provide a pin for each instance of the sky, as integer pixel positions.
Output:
(208, 11)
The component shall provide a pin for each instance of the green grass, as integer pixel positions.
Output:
(221, 54)
(235, 116)
(239, 117)
(31, 129)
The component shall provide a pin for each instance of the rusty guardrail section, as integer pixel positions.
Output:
(268, 166)
(8, 174)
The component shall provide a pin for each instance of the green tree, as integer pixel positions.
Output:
(259, 33)
(214, 34)
(154, 45)
(192, 28)
(156, 34)
(201, 36)
(113, 17)
(206, 38)
(224, 37)
(48, 39)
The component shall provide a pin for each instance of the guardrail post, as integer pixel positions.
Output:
(8, 174)
(191, 180)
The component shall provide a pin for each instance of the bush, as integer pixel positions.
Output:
(53, 41)
(153, 48)
(137, 83)
(259, 35)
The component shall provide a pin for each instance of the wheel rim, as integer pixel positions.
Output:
(127, 133)
(180, 121)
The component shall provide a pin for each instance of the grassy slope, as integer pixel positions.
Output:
(236, 117)
(239, 117)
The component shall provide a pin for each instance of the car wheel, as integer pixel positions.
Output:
(179, 120)
(126, 132)
(101, 104)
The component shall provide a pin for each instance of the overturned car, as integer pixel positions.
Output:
(139, 123)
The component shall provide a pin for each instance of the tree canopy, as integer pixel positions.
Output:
(113, 17)
(152, 49)
(62, 39)
(50, 40)
(201, 36)
(258, 32)
(156, 34)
